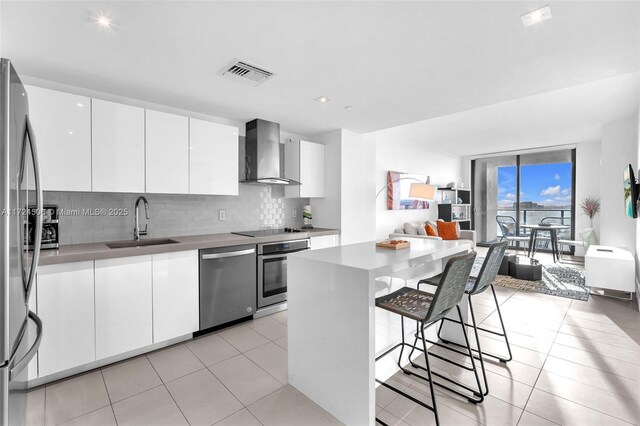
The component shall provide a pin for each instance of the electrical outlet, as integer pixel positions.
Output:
(222, 215)
(294, 213)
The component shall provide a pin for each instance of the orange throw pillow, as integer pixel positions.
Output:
(447, 230)
(430, 231)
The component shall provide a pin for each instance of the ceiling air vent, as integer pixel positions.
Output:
(246, 73)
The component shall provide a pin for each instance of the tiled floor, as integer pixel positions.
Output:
(575, 363)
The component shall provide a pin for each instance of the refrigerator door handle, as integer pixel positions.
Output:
(29, 135)
(26, 359)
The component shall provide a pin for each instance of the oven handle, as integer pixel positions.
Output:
(284, 254)
(227, 254)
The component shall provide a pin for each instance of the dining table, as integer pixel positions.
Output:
(535, 229)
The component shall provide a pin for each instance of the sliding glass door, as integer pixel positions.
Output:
(514, 190)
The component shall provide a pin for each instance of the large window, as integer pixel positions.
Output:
(510, 191)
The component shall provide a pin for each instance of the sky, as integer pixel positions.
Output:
(545, 184)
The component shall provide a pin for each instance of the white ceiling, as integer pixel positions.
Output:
(566, 116)
(394, 62)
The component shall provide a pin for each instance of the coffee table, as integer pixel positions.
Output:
(525, 268)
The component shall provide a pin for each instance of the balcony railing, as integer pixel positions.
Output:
(535, 216)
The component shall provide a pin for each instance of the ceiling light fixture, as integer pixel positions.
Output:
(536, 16)
(322, 99)
(348, 107)
(101, 19)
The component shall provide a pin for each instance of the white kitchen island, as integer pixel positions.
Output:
(335, 330)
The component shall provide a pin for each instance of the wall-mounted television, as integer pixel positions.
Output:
(630, 193)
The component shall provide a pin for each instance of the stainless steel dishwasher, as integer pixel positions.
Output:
(227, 284)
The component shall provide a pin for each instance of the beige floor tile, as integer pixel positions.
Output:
(390, 419)
(202, 398)
(601, 336)
(102, 417)
(283, 342)
(174, 362)
(244, 379)
(272, 359)
(35, 407)
(516, 339)
(416, 415)
(597, 399)
(529, 419)
(594, 360)
(243, 338)
(523, 329)
(212, 349)
(609, 382)
(600, 348)
(129, 378)
(286, 407)
(565, 412)
(75, 397)
(514, 370)
(384, 395)
(612, 328)
(268, 327)
(241, 418)
(281, 317)
(603, 318)
(152, 407)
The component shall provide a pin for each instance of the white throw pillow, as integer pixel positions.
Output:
(411, 228)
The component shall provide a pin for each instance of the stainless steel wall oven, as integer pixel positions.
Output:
(272, 270)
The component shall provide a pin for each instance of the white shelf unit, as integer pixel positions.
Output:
(454, 205)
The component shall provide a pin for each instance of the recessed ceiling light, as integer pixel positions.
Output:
(70, 132)
(101, 19)
(322, 99)
(536, 16)
(80, 105)
(348, 107)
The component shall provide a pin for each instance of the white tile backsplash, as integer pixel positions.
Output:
(256, 207)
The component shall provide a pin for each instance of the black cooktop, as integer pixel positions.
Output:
(267, 232)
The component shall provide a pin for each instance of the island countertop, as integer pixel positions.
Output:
(99, 250)
(366, 256)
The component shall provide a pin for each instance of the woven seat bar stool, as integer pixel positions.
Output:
(477, 285)
(428, 309)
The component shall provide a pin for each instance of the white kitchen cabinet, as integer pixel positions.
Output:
(62, 126)
(167, 153)
(123, 305)
(213, 158)
(175, 295)
(304, 162)
(118, 159)
(66, 306)
(324, 241)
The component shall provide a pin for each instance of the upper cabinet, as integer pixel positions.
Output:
(167, 153)
(304, 162)
(213, 158)
(118, 158)
(62, 126)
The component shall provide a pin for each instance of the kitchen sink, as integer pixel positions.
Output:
(140, 243)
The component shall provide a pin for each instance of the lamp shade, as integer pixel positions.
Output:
(422, 191)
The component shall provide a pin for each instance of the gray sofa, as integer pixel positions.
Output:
(416, 230)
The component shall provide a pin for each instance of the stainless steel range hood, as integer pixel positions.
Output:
(262, 154)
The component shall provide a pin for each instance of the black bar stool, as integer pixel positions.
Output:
(428, 309)
(477, 285)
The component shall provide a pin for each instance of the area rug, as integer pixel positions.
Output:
(562, 281)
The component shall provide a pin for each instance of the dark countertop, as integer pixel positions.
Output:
(94, 251)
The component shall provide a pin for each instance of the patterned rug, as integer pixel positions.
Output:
(562, 281)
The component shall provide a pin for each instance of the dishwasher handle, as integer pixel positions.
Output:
(227, 254)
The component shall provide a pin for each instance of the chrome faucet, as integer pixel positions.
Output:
(136, 231)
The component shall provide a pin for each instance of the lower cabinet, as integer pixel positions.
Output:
(175, 295)
(65, 299)
(123, 304)
(324, 241)
(96, 310)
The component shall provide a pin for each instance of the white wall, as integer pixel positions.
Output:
(358, 188)
(619, 148)
(587, 185)
(396, 154)
(349, 201)
(637, 225)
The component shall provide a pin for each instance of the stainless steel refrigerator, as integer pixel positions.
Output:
(20, 188)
